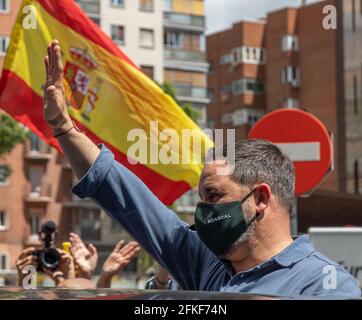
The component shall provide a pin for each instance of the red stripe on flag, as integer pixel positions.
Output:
(71, 15)
(165, 189)
(22, 103)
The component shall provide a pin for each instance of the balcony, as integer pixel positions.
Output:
(36, 149)
(187, 90)
(190, 93)
(184, 21)
(38, 194)
(179, 59)
(91, 7)
(32, 241)
(177, 54)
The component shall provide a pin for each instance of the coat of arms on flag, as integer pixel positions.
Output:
(77, 75)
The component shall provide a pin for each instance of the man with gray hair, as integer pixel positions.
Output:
(242, 241)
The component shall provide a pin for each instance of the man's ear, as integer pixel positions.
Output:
(262, 197)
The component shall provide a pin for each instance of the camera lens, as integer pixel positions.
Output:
(50, 258)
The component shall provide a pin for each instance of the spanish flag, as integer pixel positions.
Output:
(108, 97)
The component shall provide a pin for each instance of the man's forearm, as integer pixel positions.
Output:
(80, 151)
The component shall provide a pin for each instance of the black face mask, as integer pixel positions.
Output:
(220, 225)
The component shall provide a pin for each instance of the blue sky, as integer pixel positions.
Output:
(220, 14)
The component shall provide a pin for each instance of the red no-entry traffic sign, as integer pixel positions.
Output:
(304, 139)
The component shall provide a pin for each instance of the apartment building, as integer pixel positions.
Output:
(291, 60)
(236, 79)
(137, 28)
(184, 52)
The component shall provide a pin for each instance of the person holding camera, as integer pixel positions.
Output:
(29, 257)
(56, 263)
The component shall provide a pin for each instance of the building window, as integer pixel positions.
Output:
(146, 5)
(117, 3)
(173, 39)
(4, 43)
(35, 177)
(250, 55)
(354, 15)
(147, 39)
(355, 95)
(117, 34)
(291, 103)
(242, 117)
(211, 95)
(225, 93)
(254, 86)
(290, 75)
(3, 220)
(4, 261)
(90, 224)
(211, 123)
(34, 143)
(148, 71)
(96, 20)
(202, 42)
(245, 85)
(90, 7)
(356, 176)
(211, 68)
(4, 6)
(34, 224)
(5, 172)
(167, 5)
(238, 87)
(290, 43)
(226, 59)
(227, 118)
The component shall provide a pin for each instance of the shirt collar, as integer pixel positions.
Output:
(299, 249)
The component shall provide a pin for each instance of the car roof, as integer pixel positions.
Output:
(123, 294)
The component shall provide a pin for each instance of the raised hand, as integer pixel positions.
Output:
(120, 257)
(55, 109)
(85, 258)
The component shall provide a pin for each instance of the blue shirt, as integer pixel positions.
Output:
(297, 270)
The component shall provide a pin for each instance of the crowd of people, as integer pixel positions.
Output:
(77, 267)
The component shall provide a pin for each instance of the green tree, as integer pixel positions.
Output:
(11, 133)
